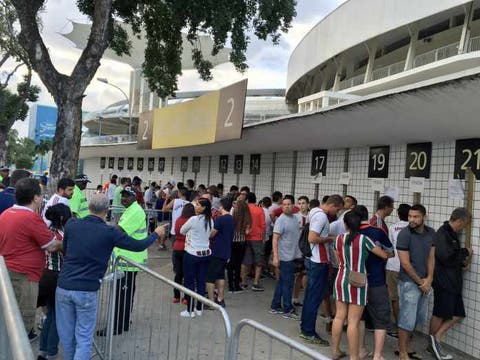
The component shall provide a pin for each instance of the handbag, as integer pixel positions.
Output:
(357, 279)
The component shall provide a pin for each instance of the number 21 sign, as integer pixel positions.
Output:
(467, 155)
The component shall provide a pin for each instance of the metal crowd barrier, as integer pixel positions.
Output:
(14, 344)
(263, 347)
(139, 320)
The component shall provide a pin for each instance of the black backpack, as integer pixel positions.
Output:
(303, 243)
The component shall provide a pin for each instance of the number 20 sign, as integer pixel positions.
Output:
(419, 159)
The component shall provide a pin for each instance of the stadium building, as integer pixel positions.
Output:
(386, 97)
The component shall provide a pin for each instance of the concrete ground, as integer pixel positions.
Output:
(158, 332)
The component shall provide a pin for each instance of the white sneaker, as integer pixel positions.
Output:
(198, 312)
(187, 314)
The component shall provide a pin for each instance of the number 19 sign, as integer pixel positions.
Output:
(378, 162)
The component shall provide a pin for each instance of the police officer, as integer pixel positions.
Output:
(133, 223)
(78, 202)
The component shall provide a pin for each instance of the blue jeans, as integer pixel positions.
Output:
(49, 338)
(195, 275)
(76, 314)
(413, 306)
(284, 288)
(317, 282)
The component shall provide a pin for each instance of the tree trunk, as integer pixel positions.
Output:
(3, 146)
(66, 143)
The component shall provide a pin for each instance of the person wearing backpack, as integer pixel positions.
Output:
(317, 265)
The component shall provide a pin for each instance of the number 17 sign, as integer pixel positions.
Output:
(319, 162)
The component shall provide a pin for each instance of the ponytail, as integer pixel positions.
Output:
(352, 222)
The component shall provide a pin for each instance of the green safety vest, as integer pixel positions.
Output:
(78, 203)
(133, 222)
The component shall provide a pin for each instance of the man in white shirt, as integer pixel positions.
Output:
(64, 193)
(176, 206)
(317, 267)
(393, 264)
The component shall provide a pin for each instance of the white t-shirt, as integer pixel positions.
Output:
(393, 264)
(111, 191)
(54, 200)
(268, 223)
(197, 238)
(319, 223)
(177, 209)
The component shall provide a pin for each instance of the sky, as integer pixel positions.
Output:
(267, 62)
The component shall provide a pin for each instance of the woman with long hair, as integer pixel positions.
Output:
(197, 251)
(58, 215)
(179, 248)
(351, 249)
(243, 222)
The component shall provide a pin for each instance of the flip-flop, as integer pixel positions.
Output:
(339, 356)
(367, 355)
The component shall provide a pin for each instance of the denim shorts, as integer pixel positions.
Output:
(413, 306)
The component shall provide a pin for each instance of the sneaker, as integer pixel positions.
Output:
(437, 349)
(187, 314)
(276, 311)
(257, 287)
(244, 286)
(221, 302)
(393, 333)
(315, 339)
(198, 312)
(297, 303)
(238, 290)
(231, 290)
(175, 300)
(32, 336)
(292, 315)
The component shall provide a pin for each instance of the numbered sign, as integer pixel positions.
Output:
(255, 164)
(196, 164)
(467, 155)
(319, 162)
(103, 162)
(418, 161)
(223, 164)
(238, 164)
(161, 164)
(151, 164)
(145, 130)
(184, 164)
(130, 163)
(111, 162)
(378, 162)
(121, 163)
(140, 164)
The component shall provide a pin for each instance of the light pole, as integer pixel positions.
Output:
(105, 81)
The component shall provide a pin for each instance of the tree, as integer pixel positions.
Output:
(20, 151)
(13, 106)
(42, 149)
(162, 22)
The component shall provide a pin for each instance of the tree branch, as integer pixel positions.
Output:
(4, 59)
(32, 42)
(9, 76)
(89, 61)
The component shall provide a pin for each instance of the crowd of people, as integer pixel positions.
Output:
(355, 269)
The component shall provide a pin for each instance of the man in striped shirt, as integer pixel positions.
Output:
(62, 196)
(384, 209)
(317, 266)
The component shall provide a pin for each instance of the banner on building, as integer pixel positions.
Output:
(213, 117)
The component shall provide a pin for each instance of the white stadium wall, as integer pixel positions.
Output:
(463, 337)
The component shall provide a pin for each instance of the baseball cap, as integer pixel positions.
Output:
(130, 190)
(4, 168)
(82, 178)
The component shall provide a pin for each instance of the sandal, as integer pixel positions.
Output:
(339, 356)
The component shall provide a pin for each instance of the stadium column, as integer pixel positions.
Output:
(470, 177)
(209, 170)
(346, 163)
(171, 168)
(274, 161)
(294, 173)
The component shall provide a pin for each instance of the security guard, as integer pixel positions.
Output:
(78, 202)
(132, 222)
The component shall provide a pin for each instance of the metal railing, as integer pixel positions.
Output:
(14, 344)
(474, 44)
(108, 139)
(436, 55)
(295, 350)
(148, 325)
(351, 82)
(389, 70)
